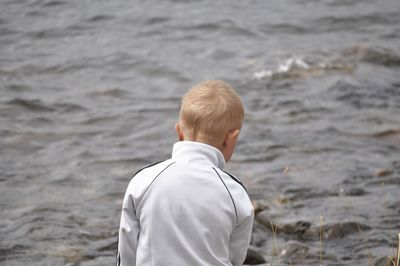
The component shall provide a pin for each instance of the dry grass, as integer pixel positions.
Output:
(321, 223)
(274, 230)
(398, 251)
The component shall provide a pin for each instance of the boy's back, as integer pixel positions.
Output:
(190, 212)
(186, 211)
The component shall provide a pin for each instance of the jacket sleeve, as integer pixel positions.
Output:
(240, 240)
(128, 234)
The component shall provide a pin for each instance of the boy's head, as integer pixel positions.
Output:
(211, 113)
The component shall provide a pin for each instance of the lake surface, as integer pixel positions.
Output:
(90, 92)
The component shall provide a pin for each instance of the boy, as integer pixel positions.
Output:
(186, 211)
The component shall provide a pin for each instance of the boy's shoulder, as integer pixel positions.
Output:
(234, 178)
(146, 166)
(156, 166)
(145, 176)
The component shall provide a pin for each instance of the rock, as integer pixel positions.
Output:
(259, 206)
(384, 261)
(264, 220)
(356, 192)
(341, 230)
(374, 55)
(298, 228)
(294, 251)
(254, 258)
(383, 172)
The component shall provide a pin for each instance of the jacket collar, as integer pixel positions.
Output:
(196, 152)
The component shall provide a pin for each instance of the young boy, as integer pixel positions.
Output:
(187, 211)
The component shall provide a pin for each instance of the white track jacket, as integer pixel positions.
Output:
(185, 211)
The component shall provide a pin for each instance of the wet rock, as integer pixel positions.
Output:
(108, 246)
(387, 133)
(356, 192)
(294, 251)
(384, 172)
(395, 206)
(282, 200)
(254, 258)
(341, 230)
(259, 206)
(11, 250)
(384, 261)
(374, 55)
(298, 228)
(351, 191)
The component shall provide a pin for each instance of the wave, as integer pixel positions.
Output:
(69, 107)
(387, 133)
(366, 95)
(346, 62)
(353, 23)
(108, 93)
(99, 18)
(34, 69)
(156, 20)
(283, 28)
(55, 3)
(98, 120)
(37, 105)
(226, 26)
(17, 87)
(4, 31)
(31, 105)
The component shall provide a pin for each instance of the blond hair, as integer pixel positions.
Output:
(210, 109)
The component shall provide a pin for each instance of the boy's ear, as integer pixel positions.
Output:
(228, 147)
(232, 136)
(179, 131)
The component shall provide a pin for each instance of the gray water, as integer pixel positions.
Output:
(90, 91)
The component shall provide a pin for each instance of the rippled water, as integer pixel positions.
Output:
(90, 90)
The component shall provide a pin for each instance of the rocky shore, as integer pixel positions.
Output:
(297, 241)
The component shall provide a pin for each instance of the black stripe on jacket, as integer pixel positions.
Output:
(237, 180)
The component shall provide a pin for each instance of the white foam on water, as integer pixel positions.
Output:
(293, 63)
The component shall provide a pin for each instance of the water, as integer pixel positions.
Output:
(90, 92)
